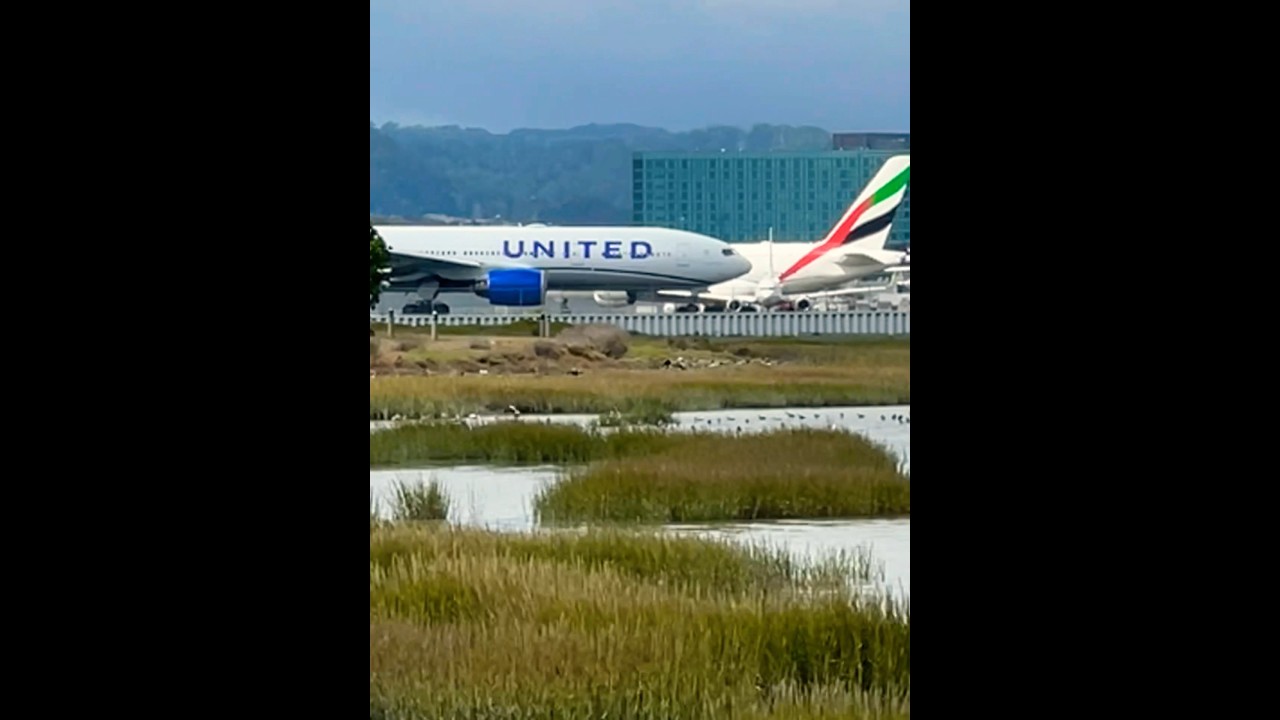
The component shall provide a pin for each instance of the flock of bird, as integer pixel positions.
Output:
(717, 421)
(894, 417)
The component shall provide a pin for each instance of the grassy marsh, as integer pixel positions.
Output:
(649, 475)
(603, 623)
(507, 442)
(417, 502)
(786, 474)
(720, 374)
(411, 502)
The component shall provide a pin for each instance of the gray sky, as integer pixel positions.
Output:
(843, 65)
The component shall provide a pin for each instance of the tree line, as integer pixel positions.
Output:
(581, 175)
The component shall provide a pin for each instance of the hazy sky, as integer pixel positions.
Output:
(843, 65)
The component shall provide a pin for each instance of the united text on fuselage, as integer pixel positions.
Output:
(607, 249)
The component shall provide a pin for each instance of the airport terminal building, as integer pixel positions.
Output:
(737, 196)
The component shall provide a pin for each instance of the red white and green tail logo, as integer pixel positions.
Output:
(873, 215)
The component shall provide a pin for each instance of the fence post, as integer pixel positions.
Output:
(391, 319)
(434, 315)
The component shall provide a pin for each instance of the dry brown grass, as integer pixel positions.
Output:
(415, 355)
(605, 389)
(417, 377)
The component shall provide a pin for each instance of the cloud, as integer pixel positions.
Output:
(507, 63)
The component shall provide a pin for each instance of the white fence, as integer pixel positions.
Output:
(772, 324)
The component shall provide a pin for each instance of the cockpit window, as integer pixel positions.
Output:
(726, 252)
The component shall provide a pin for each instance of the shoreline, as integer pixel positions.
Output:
(492, 416)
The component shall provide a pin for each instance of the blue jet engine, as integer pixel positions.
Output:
(513, 287)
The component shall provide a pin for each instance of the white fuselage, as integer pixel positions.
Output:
(572, 258)
(821, 274)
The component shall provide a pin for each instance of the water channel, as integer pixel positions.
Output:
(500, 498)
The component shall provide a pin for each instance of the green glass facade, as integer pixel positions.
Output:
(738, 196)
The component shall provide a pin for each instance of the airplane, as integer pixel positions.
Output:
(742, 302)
(891, 288)
(515, 266)
(854, 248)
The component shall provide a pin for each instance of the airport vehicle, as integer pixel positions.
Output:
(516, 265)
(854, 248)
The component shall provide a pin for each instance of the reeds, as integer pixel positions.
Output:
(507, 442)
(419, 501)
(411, 502)
(703, 477)
(634, 474)
(626, 625)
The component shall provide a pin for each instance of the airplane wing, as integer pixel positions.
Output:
(407, 268)
(866, 258)
(720, 298)
(850, 291)
(704, 296)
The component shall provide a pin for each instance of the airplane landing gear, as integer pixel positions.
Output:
(425, 307)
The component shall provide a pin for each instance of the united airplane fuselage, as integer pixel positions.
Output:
(571, 258)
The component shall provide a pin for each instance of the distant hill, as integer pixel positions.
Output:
(577, 176)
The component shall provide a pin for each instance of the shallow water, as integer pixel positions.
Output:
(497, 498)
(501, 499)
(888, 540)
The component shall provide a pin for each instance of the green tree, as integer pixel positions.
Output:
(379, 258)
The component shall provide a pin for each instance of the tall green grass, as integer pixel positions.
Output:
(626, 391)
(623, 625)
(777, 475)
(685, 563)
(633, 474)
(411, 502)
(419, 501)
(508, 442)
